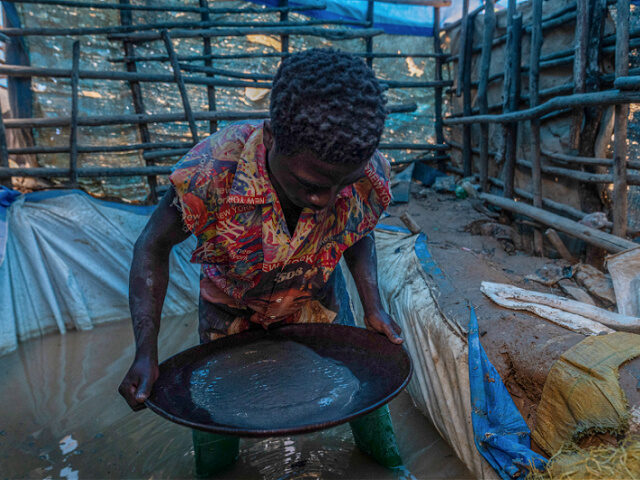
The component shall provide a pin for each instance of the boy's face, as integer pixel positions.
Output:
(307, 181)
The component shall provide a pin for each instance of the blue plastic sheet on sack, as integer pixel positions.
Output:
(500, 433)
(7, 196)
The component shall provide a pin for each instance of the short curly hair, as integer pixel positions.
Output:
(327, 102)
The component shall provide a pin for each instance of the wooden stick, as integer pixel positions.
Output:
(284, 16)
(619, 170)
(145, 27)
(369, 41)
(73, 134)
(104, 120)
(567, 59)
(534, 99)
(4, 152)
(450, 26)
(137, 98)
(605, 97)
(627, 83)
(462, 48)
(411, 224)
(21, 71)
(547, 203)
(437, 48)
(97, 148)
(168, 8)
(559, 245)
(45, 172)
(206, 53)
(234, 56)
(610, 243)
(179, 80)
(579, 67)
(332, 34)
(467, 158)
(514, 95)
(607, 162)
(485, 66)
(585, 177)
(172, 152)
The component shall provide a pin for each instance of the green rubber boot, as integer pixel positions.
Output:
(374, 435)
(213, 452)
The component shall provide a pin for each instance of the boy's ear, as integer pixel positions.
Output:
(267, 135)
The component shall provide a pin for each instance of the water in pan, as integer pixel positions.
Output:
(273, 384)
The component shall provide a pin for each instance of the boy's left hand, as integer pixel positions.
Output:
(380, 321)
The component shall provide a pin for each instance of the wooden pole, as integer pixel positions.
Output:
(462, 50)
(20, 71)
(467, 158)
(284, 16)
(4, 151)
(611, 243)
(534, 99)
(369, 40)
(485, 66)
(207, 53)
(579, 68)
(511, 131)
(136, 97)
(437, 49)
(559, 245)
(73, 134)
(619, 170)
(605, 97)
(332, 33)
(135, 119)
(176, 7)
(177, 73)
(233, 56)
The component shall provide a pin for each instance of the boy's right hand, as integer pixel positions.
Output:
(137, 383)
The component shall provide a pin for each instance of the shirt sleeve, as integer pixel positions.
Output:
(373, 193)
(202, 178)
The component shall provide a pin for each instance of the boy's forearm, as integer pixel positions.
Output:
(362, 261)
(148, 282)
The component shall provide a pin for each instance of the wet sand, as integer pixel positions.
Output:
(61, 417)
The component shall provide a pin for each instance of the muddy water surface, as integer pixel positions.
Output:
(61, 417)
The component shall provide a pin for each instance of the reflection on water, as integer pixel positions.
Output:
(63, 418)
(318, 389)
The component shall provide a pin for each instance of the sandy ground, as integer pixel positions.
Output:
(62, 418)
(522, 346)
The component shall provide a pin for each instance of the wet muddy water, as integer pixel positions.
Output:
(61, 417)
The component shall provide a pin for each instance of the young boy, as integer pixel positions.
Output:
(274, 205)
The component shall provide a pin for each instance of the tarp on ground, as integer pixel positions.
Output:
(66, 265)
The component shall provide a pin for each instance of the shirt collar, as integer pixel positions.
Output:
(251, 183)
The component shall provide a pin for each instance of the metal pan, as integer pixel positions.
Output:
(382, 368)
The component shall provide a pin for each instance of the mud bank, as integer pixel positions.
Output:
(63, 418)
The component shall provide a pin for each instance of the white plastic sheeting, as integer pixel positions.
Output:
(437, 345)
(67, 265)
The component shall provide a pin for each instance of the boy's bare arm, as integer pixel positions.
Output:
(362, 261)
(148, 282)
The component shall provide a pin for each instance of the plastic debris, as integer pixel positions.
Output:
(444, 184)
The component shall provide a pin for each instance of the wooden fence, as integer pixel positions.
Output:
(186, 71)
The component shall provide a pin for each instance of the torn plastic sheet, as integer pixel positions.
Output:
(500, 432)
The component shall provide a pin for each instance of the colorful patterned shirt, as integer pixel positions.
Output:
(243, 242)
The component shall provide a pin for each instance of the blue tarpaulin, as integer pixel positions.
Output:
(500, 433)
(395, 19)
